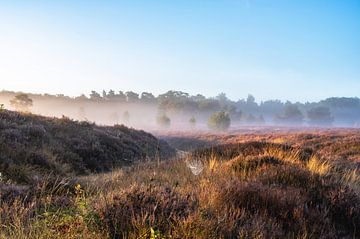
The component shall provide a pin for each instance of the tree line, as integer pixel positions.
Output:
(342, 111)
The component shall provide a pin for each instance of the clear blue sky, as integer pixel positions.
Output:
(301, 50)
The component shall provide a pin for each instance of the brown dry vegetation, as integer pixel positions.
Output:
(302, 184)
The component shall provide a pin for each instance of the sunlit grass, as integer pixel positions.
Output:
(318, 167)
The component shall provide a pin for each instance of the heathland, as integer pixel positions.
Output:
(68, 179)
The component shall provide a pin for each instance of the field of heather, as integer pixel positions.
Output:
(247, 184)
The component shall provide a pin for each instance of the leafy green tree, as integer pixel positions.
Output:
(219, 121)
(320, 116)
(22, 102)
(163, 120)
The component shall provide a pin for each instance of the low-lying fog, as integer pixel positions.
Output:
(179, 111)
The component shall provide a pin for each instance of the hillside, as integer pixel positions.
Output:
(306, 187)
(32, 146)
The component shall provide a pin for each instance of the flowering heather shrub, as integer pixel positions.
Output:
(32, 145)
(286, 207)
(306, 185)
(245, 165)
(149, 207)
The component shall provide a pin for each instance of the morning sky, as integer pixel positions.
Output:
(301, 50)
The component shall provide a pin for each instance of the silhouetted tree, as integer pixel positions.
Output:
(250, 99)
(111, 94)
(120, 97)
(22, 102)
(104, 94)
(95, 96)
(148, 97)
(132, 96)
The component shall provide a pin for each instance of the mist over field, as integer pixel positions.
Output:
(187, 112)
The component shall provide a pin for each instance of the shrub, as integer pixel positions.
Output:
(163, 120)
(144, 208)
(219, 121)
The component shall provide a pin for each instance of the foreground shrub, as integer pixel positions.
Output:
(138, 209)
(243, 166)
(284, 207)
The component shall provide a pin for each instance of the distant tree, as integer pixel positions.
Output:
(219, 121)
(126, 117)
(163, 120)
(147, 97)
(94, 95)
(111, 94)
(81, 98)
(120, 97)
(192, 121)
(223, 100)
(250, 99)
(2, 107)
(198, 97)
(320, 116)
(131, 96)
(292, 115)
(209, 105)
(22, 102)
(104, 94)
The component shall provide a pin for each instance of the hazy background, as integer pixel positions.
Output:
(289, 50)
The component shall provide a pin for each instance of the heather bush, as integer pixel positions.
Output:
(140, 208)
